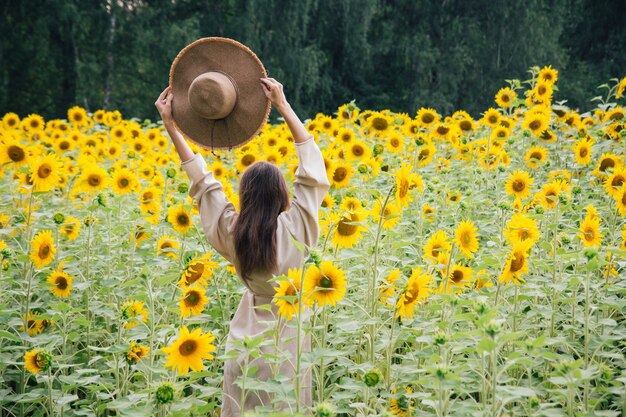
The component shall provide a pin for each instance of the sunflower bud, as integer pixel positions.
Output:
(590, 254)
(378, 149)
(103, 200)
(492, 328)
(58, 217)
(171, 173)
(539, 210)
(441, 373)
(363, 168)
(314, 258)
(419, 141)
(89, 221)
(480, 308)
(622, 133)
(372, 377)
(324, 409)
(440, 338)
(5, 253)
(183, 187)
(165, 393)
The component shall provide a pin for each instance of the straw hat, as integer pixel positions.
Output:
(218, 99)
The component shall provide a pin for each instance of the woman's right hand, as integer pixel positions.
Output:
(164, 105)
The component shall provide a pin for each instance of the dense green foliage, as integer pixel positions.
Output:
(401, 54)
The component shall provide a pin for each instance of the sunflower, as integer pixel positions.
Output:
(93, 178)
(13, 152)
(465, 238)
(536, 122)
(35, 325)
(428, 212)
(521, 229)
(621, 86)
(387, 289)
(287, 293)
(45, 172)
(136, 352)
(36, 361)
(516, 264)
(425, 154)
(167, 245)
(614, 181)
(378, 124)
(193, 301)
(582, 151)
(548, 197)
(149, 200)
(347, 112)
(34, 123)
(460, 276)
(536, 156)
(345, 135)
(417, 289)
(590, 232)
(61, 283)
(608, 161)
(391, 216)
(43, 249)
(405, 181)
(189, 350)
(12, 121)
(437, 244)
(179, 218)
(328, 201)
(620, 200)
(77, 116)
(492, 117)
(70, 227)
(357, 150)
(548, 75)
(198, 272)
(325, 285)
(542, 92)
(518, 184)
(133, 312)
(341, 175)
(499, 133)
(124, 181)
(547, 136)
(427, 117)
(505, 97)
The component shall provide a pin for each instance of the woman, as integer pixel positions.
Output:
(258, 240)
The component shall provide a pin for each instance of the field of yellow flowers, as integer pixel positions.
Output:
(466, 266)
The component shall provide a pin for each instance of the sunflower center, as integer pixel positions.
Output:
(379, 123)
(357, 150)
(64, 145)
(443, 130)
(148, 196)
(523, 235)
(465, 125)
(617, 181)
(346, 137)
(404, 188)
(505, 98)
(411, 296)
(194, 273)
(624, 199)
(589, 234)
(519, 185)
(16, 153)
(518, 262)
(166, 245)
(345, 229)
(192, 299)
(457, 276)
(395, 142)
(536, 155)
(61, 283)
(44, 170)
(44, 250)
(606, 164)
(326, 282)
(340, 174)
(583, 152)
(424, 153)
(466, 239)
(247, 160)
(94, 180)
(534, 125)
(435, 251)
(124, 182)
(188, 347)
(428, 118)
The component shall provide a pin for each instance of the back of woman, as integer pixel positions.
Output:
(261, 246)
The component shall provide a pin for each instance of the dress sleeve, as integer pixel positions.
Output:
(309, 189)
(217, 214)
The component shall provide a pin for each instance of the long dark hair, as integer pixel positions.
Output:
(263, 195)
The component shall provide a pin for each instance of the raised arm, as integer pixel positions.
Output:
(311, 182)
(164, 106)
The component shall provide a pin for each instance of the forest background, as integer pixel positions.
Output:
(399, 55)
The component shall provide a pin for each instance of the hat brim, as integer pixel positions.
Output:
(251, 109)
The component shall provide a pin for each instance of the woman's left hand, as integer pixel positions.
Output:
(274, 91)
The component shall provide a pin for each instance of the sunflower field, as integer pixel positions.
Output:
(466, 266)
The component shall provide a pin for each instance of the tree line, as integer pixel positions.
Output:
(384, 54)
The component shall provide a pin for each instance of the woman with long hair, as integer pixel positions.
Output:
(258, 241)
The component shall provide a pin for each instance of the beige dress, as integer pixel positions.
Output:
(300, 222)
